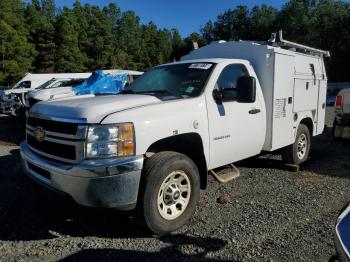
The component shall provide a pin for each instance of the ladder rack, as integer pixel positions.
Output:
(277, 40)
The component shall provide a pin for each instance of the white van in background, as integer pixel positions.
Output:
(53, 84)
(32, 81)
(53, 91)
(12, 100)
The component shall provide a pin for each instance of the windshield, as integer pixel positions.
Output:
(46, 84)
(173, 81)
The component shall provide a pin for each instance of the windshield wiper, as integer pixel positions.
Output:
(159, 92)
(150, 92)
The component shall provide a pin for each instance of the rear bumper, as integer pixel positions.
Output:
(341, 126)
(343, 119)
(110, 183)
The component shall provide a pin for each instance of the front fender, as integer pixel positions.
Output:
(170, 118)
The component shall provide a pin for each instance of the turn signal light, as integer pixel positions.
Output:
(127, 132)
(126, 148)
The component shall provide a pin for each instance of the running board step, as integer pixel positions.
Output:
(225, 174)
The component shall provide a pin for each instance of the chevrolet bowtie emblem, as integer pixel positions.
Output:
(39, 134)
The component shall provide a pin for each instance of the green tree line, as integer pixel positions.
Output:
(39, 37)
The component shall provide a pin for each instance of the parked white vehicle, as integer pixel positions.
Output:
(32, 81)
(152, 145)
(54, 84)
(53, 92)
(341, 125)
(12, 100)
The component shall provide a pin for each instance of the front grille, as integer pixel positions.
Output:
(52, 148)
(39, 170)
(53, 126)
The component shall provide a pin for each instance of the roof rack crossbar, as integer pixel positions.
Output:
(290, 44)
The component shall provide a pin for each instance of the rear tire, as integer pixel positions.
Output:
(298, 152)
(171, 191)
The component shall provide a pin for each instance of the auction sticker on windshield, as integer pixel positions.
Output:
(201, 66)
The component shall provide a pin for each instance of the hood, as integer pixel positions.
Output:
(92, 108)
(17, 91)
(51, 93)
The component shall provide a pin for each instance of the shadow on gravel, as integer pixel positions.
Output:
(328, 157)
(30, 212)
(12, 130)
(178, 250)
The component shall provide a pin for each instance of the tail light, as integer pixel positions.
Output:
(339, 102)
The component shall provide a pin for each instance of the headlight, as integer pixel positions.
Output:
(110, 140)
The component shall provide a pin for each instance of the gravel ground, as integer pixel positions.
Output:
(267, 214)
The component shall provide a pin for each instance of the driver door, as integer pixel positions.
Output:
(236, 129)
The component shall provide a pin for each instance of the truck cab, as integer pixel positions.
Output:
(151, 146)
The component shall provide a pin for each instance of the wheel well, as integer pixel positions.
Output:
(189, 144)
(308, 122)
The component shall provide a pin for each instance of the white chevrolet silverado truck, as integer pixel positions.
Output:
(152, 146)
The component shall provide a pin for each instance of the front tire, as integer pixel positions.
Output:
(298, 152)
(171, 191)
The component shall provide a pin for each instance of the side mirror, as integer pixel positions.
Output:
(246, 89)
(218, 96)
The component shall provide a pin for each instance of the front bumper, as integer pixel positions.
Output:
(111, 183)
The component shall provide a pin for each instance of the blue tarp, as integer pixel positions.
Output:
(100, 83)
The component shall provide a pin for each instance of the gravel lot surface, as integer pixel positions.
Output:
(267, 214)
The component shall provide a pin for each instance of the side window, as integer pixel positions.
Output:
(228, 80)
(58, 84)
(25, 84)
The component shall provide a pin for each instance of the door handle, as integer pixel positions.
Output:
(254, 111)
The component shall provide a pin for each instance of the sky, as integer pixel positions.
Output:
(185, 15)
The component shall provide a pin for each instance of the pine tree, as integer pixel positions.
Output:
(208, 32)
(101, 38)
(40, 21)
(129, 37)
(176, 42)
(69, 57)
(16, 53)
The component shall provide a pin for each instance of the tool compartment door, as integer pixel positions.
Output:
(305, 94)
(282, 117)
(306, 84)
